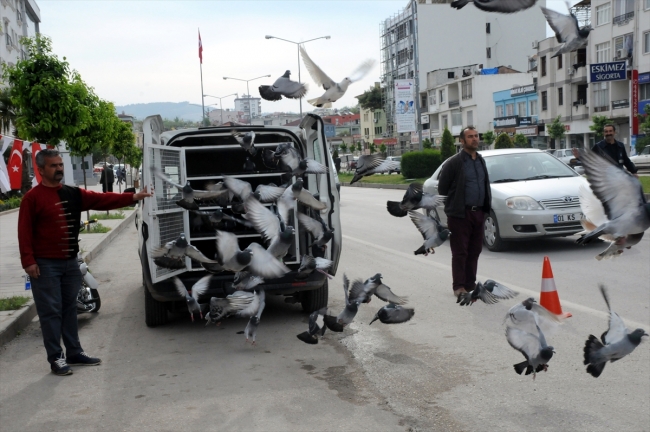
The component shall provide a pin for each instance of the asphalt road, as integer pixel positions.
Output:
(448, 369)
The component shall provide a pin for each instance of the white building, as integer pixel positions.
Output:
(245, 102)
(18, 18)
(462, 96)
(218, 116)
(430, 35)
(276, 119)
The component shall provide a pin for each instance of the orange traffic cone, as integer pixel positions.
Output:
(548, 297)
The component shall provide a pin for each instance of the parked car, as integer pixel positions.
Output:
(397, 159)
(642, 160)
(566, 156)
(533, 195)
(352, 165)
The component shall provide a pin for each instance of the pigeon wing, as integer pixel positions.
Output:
(162, 250)
(311, 225)
(524, 342)
(617, 330)
(308, 199)
(227, 246)
(346, 286)
(430, 202)
(201, 286)
(290, 159)
(387, 295)
(263, 219)
(500, 291)
(425, 224)
(323, 263)
(264, 264)
(314, 167)
(362, 70)
(289, 88)
(368, 162)
(357, 291)
(399, 315)
(269, 193)
(504, 6)
(285, 206)
(180, 287)
(565, 26)
(316, 73)
(591, 206)
(269, 94)
(196, 255)
(158, 173)
(384, 166)
(239, 187)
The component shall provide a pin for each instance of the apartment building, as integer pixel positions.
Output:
(516, 112)
(249, 105)
(18, 18)
(372, 125)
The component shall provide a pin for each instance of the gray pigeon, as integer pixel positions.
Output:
(316, 327)
(283, 86)
(414, 199)
(372, 164)
(172, 255)
(567, 31)
(393, 314)
(241, 304)
(215, 217)
(533, 346)
(296, 164)
(622, 198)
(188, 194)
(502, 6)
(615, 343)
(490, 292)
(198, 289)
(309, 264)
(246, 281)
(432, 231)
(246, 141)
(249, 165)
(318, 229)
(527, 314)
(297, 192)
(362, 292)
(333, 90)
(254, 258)
(347, 314)
(276, 233)
(253, 323)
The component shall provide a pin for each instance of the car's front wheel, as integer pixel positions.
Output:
(491, 236)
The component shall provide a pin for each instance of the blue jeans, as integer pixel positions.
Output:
(55, 294)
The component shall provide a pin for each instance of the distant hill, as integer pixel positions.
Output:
(170, 110)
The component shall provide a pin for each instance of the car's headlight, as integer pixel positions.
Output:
(523, 203)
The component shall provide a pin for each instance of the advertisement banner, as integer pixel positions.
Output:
(415, 138)
(405, 105)
(612, 71)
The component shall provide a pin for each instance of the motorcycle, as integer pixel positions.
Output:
(88, 300)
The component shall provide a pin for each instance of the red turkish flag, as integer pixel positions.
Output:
(200, 49)
(36, 147)
(15, 166)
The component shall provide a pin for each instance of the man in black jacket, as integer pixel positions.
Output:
(615, 150)
(464, 180)
(107, 178)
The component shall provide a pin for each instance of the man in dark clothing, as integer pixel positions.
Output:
(107, 178)
(48, 231)
(464, 180)
(615, 150)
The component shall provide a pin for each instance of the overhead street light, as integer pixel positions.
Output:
(222, 97)
(298, 47)
(248, 91)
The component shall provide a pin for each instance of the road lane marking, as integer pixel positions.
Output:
(530, 293)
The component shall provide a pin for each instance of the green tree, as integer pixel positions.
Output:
(335, 154)
(555, 130)
(359, 146)
(488, 137)
(503, 141)
(521, 141)
(371, 99)
(447, 147)
(426, 144)
(344, 147)
(372, 147)
(598, 126)
(48, 94)
(133, 157)
(124, 139)
(382, 148)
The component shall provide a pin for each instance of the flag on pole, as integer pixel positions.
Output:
(36, 148)
(4, 174)
(200, 49)
(16, 165)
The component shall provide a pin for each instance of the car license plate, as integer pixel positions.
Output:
(567, 217)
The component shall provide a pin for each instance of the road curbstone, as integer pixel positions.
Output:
(378, 186)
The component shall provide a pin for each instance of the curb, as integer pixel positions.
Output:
(377, 186)
(27, 314)
(10, 211)
(23, 317)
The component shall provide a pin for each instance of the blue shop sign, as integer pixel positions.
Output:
(644, 78)
(612, 71)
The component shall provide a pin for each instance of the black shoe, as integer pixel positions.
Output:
(83, 359)
(60, 367)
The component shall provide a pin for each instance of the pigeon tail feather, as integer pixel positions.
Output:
(459, 4)
(521, 367)
(420, 251)
(307, 338)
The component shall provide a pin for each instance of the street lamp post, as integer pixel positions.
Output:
(222, 97)
(298, 48)
(250, 118)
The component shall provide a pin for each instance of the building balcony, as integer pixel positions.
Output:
(454, 103)
(622, 103)
(601, 108)
(623, 19)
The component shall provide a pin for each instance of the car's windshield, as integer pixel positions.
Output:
(645, 151)
(525, 166)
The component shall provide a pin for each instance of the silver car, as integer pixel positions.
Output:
(533, 195)
(642, 160)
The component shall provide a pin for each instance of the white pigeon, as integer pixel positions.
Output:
(254, 258)
(567, 31)
(198, 289)
(172, 254)
(283, 86)
(502, 6)
(278, 235)
(333, 90)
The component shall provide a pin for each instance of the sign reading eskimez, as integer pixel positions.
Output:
(612, 71)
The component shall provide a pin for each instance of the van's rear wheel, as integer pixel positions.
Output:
(315, 299)
(155, 312)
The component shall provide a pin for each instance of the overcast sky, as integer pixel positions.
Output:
(147, 51)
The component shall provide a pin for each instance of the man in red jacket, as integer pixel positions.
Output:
(48, 231)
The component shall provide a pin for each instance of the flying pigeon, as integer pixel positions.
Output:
(249, 165)
(309, 264)
(246, 281)
(489, 292)
(414, 199)
(269, 160)
(172, 255)
(283, 86)
(198, 289)
(215, 217)
(372, 164)
(615, 343)
(254, 258)
(338, 323)
(621, 196)
(432, 231)
(502, 6)
(189, 194)
(297, 192)
(278, 235)
(242, 304)
(246, 141)
(297, 165)
(567, 31)
(318, 229)
(393, 314)
(595, 216)
(243, 190)
(333, 90)
(253, 323)
(533, 346)
(527, 314)
(316, 327)
(362, 292)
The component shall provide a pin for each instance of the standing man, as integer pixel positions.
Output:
(464, 180)
(107, 178)
(48, 231)
(615, 150)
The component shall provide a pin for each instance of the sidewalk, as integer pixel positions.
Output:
(12, 282)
